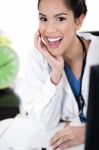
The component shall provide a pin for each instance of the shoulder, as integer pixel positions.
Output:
(93, 37)
(89, 35)
(93, 52)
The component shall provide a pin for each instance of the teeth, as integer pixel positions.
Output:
(53, 40)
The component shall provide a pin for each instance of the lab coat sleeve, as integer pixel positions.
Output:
(47, 105)
(41, 99)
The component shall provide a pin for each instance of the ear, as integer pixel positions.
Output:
(79, 21)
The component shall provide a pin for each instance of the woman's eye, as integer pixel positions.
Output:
(42, 18)
(61, 18)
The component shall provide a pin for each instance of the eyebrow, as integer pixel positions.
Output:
(54, 15)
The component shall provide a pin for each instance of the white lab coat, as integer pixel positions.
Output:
(46, 103)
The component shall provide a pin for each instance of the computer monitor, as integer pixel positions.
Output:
(92, 129)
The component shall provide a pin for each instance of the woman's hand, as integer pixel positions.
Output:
(68, 137)
(56, 63)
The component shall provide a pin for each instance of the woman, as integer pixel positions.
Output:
(58, 74)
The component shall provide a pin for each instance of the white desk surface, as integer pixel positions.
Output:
(22, 132)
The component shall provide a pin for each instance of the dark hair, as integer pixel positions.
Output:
(77, 6)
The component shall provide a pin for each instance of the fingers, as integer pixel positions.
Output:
(68, 144)
(37, 41)
(36, 37)
(65, 140)
(40, 45)
(61, 141)
(68, 137)
(64, 132)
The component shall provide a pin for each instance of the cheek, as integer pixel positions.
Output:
(64, 28)
(68, 33)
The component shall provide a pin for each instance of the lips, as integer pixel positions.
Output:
(54, 42)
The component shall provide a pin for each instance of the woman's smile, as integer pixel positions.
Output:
(53, 43)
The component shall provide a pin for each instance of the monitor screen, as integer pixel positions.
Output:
(92, 129)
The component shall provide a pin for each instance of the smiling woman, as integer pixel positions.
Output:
(56, 81)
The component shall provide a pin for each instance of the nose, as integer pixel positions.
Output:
(51, 28)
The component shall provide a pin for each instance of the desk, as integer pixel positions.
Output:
(22, 131)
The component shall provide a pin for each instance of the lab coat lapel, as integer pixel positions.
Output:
(66, 86)
(70, 101)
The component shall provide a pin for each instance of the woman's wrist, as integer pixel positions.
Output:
(55, 77)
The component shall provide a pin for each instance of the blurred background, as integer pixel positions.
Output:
(19, 21)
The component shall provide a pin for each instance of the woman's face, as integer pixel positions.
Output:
(57, 26)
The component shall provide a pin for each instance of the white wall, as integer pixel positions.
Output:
(19, 21)
(91, 22)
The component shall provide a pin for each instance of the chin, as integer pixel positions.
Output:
(54, 52)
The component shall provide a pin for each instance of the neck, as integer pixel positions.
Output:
(74, 57)
(74, 53)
